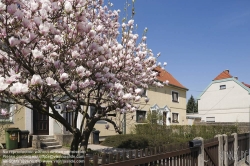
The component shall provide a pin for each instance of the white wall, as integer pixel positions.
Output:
(227, 105)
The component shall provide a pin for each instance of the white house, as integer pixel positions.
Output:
(226, 99)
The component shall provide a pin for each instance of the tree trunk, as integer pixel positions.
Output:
(84, 143)
(74, 145)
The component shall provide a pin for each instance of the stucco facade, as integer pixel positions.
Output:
(225, 100)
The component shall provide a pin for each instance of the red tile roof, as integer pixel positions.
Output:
(164, 75)
(247, 85)
(223, 75)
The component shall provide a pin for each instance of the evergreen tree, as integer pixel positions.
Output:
(192, 105)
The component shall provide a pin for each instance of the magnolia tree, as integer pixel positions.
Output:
(67, 51)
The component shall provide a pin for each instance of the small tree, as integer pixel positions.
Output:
(192, 105)
(67, 52)
(154, 117)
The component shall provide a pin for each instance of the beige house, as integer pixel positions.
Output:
(169, 101)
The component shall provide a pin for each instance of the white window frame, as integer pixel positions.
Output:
(178, 117)
(210, 119)
(172, 96)
(144, 116)
(222, 87)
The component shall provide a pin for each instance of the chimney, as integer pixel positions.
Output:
(236, 78)
(227, 71)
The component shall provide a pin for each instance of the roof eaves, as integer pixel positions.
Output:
(179, 87)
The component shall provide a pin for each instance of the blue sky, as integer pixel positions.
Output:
(198, 39)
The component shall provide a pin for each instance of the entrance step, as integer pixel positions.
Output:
(49, 142)
(52, 147)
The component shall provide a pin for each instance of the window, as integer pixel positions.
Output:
(175, 117)
(222, 87)
(175, 96)
(140, 116)
(5, 112)
(210, 119)
(91, 114)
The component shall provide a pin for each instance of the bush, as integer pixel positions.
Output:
(129, 141)
(152, 135)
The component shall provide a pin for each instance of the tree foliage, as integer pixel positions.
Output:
(192, 105)
(67, 52)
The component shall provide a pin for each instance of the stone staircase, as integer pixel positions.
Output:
(49, 142)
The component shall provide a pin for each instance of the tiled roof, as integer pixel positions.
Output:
(164, 75)
(223, 75)
(247, 85)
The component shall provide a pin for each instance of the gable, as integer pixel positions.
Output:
(225, 80)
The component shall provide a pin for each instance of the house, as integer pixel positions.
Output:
(226, 99)
(169, 101)
(37, 124)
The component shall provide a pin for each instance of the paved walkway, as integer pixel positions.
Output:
(34, 160)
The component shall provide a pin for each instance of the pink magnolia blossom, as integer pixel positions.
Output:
(118, 86)
(44, 28)
(38, 21)
(36, 80)
(13, 41)
(19, 88)
(3, 84)
(19, 14)
(58, 39)
(37, 54)
(2, 6)
(138, 91)
(130, 22)
(11, 9)
(4, 112)
(146, 100)
(34, 5)
(51, 82)
(73, 86)
(137, 98)
(127, 96)
(133, 109)
(68, 7)
(75, 54)
(64, 77)
(166, 82)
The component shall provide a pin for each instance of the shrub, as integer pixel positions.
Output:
(152, 135)
(129, 141)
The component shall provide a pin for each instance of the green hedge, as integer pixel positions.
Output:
(151, 135)
(128, 141)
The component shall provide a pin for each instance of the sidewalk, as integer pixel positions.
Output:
(35, 161)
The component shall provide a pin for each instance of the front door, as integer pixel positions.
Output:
(40, 123)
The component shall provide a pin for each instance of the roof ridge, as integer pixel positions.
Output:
(223, 75)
